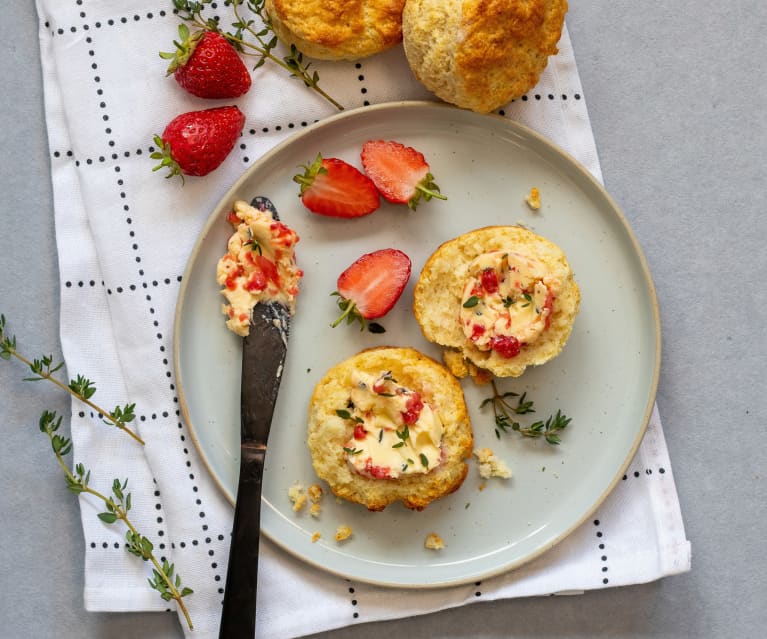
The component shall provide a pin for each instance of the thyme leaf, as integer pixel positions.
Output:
(504, 410)
(79, 387)
(117, 505)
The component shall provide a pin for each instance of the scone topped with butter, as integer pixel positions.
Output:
(500, 299)
(337, 29)
(259, 265)
(481, 54)
(389, 424)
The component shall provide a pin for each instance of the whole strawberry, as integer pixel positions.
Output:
(197, 142)
(206, 65)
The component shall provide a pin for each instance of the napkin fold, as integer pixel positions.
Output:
(124, 236)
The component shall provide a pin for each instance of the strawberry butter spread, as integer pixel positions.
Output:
(507, 301)
(259, 266)
(395, 431)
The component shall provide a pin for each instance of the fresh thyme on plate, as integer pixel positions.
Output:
(118, 503)
(504, 408)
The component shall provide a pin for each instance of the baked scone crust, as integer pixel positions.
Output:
(327, 432)
(337, 29)
(439, 289)
(481, 54)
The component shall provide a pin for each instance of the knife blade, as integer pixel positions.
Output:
(263, 357)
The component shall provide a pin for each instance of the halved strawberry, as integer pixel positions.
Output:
(400, 173)
(370, 287)
(332, 187)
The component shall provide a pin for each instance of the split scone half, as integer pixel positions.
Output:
(337, 29)
(499, 299)
(389, 424)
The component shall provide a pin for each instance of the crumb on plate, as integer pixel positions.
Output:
(434, 542)
(315, 493)
(534, 199)
(490, 465)
(343, 532)
(297, 495)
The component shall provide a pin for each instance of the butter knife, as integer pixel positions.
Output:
(263, 358)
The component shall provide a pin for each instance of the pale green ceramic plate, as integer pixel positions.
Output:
(605, 379)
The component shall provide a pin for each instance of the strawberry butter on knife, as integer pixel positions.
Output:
(259, 265)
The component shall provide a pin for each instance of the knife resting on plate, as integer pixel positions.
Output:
(263, 357)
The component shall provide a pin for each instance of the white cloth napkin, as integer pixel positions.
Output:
(124, 235)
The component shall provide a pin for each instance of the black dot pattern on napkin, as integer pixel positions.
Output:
(125, 231)
(601, 548)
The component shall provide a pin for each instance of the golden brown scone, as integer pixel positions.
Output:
(337, 29)
(535, 303)
(481, 54)
(370, 392)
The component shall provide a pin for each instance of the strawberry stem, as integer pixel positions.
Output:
(430, 193)
(350, 312)
(163, 154)
(427, 189)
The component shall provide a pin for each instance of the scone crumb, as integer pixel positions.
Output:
(434, 542)
(315, 493)
(297, 495)
(461, 367)
(490, 465)
(534, 199)
(315, 537)
(343, 532)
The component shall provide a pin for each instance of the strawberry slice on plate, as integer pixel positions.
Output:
(400, 173)
(370, 287)
(334, 188)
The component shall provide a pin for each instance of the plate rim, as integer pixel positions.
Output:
(552, 147)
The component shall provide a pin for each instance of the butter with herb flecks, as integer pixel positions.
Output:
(506, 294)
(395, 432)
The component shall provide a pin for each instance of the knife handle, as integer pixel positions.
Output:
(238, 617)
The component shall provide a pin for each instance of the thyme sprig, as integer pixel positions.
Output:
(254, 39)
(80, 387)
(503, 410)
(117, 505)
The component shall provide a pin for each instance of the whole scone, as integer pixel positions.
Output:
(337, 29)
(499, 298)
(481, 54)
(389, 424)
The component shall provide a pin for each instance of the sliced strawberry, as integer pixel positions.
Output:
(400, 173)
(370, 287)
(334, 188)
